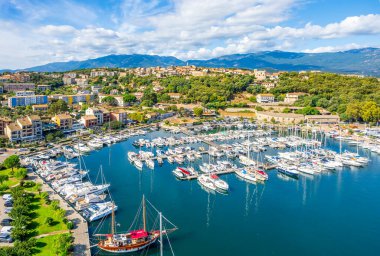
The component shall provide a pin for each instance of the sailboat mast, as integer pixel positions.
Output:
(113, 219)
(144, 213)
(161, 242)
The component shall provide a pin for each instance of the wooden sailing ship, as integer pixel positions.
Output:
(134, 240)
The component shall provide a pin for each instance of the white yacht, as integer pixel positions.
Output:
(150, 163)
(244, 174)
(132, 156)
(206, 181)
(219, 183)
(81, 147)
(138, 163)
(99, 210)
(96, 144)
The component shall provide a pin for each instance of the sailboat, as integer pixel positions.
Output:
(134, 240)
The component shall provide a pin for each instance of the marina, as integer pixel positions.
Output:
(247, 175)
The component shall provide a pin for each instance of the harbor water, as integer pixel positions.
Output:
(333, 213)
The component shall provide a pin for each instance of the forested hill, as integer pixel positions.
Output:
(364, 61)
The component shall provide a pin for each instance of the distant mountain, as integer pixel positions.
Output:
(111, 61)
(361, 61)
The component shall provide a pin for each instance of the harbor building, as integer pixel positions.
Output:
(284, 118)
(322, 119)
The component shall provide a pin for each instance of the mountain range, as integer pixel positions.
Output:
(364, 61)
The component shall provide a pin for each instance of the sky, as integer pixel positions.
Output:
(36, 32)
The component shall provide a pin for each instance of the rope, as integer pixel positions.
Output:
(170, 245)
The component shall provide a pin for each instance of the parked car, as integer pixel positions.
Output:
(6, 222)
(8, 203)
(8, 210)
(7, 197)
(5, 238)
(6, 230)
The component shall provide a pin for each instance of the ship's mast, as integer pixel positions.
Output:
(113, 219)
(161, 242)
(144, 213)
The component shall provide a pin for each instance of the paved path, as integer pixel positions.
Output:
(53, 233)
(80, 231)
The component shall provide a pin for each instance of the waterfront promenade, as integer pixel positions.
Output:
(81, 244)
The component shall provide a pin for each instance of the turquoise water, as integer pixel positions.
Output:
(329, 214)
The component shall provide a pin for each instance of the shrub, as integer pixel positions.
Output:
(70, 225)
(49, 221)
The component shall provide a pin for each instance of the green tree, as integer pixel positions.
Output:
(58, 106)
(370, 112)
(3, 178)
(12, 161)
(198, 111)
(21, 173)
(62, 244)
(353, 110)
(129, 98)
(109, 100)
(308, 111)
(286, 110)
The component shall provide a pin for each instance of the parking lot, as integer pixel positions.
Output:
(3, 215)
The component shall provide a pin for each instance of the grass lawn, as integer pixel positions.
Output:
(45, 246)
(12, 180)
(40, 212)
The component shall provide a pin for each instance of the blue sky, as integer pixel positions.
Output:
(35, 32)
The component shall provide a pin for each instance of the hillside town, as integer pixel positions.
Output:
(73, 101)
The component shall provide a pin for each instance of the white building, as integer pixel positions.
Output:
(265, 98)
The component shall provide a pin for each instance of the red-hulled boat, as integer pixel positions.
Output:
(131, 241)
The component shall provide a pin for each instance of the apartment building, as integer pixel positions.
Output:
(43, 87)
(119, 115)
(3, 122)
(89, 121)
(40, 107)
(27, 100)
(63, 121)
(98, 113)
(24, 93)
(24, 129)
(95, 73)
(73, 99)
(15, 87)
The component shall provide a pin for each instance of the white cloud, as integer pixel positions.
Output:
(334, 48)
(52, 30)
(187, 29)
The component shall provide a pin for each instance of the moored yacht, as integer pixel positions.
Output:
(99, 210)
